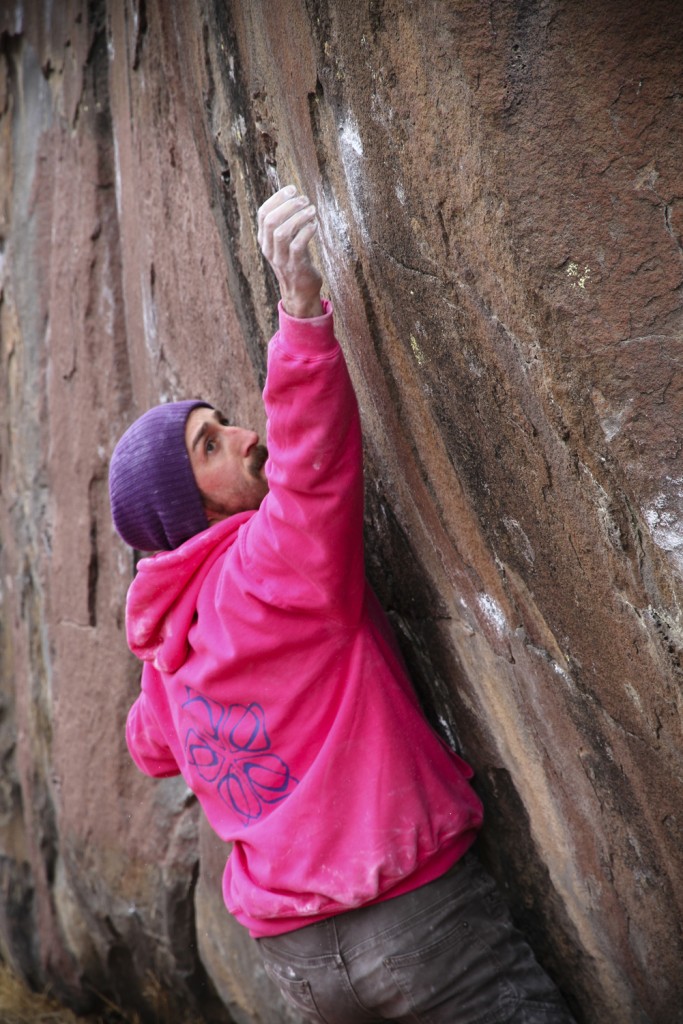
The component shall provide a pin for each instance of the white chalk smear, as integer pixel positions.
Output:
(663, 516)
(493, 613)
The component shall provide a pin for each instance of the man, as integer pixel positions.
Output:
(272, 682)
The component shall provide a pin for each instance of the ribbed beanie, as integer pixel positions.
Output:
(155, 502)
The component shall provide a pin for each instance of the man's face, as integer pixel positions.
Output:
(227, 462)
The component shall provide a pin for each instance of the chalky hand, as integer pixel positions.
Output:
(286, 224)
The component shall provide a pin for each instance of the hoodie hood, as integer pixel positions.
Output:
(162, 599)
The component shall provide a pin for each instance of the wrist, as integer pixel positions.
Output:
(303, 309)
(308, 336)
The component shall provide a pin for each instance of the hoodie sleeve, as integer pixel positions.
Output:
(306, 541)
(145, 737)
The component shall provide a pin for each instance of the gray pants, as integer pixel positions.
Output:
(446, 953)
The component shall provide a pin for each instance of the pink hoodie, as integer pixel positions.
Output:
(272, 681)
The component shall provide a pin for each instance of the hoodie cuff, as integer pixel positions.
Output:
(314, 336)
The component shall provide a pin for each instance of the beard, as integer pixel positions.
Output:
(257, 459)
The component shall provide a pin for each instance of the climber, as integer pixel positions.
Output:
(272, 683)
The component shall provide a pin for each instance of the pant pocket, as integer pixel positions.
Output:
(296, 991)
(459, 976)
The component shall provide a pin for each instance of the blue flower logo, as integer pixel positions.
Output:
(230, 748)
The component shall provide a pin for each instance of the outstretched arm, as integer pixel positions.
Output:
(286, 225)
(306, 541)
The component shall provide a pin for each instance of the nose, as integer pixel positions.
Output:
(242, 439)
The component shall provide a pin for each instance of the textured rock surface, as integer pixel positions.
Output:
(501, 202)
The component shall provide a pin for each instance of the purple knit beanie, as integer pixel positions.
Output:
(155, 502)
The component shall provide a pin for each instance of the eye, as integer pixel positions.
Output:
(223, 420)
(210, 445)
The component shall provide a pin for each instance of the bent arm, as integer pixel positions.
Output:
(145, 738)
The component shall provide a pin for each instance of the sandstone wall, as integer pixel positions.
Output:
(501, 203)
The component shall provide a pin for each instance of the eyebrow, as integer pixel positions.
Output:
(203, 429)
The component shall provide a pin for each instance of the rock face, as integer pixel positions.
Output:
(500, 190)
